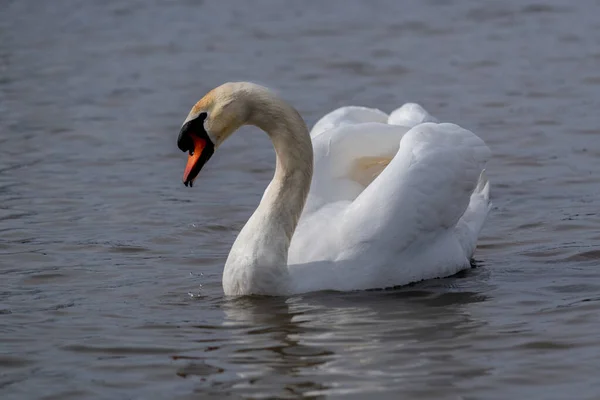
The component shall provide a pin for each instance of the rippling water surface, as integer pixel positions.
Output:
(110, 269)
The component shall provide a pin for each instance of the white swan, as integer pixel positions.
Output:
(388, 204)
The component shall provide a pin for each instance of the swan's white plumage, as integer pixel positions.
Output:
(393, 199)
(410, 114)
(347, 116)
(418, 219)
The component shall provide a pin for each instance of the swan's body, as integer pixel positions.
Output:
(393, 199)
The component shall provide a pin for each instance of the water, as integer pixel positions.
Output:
(110, 268)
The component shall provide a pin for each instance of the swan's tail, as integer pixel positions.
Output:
(472, 221)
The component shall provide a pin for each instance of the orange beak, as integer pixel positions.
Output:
(193, 163)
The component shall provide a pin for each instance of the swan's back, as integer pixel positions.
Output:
(390, 204)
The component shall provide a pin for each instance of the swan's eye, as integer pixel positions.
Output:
(193, 126)
(201, 117)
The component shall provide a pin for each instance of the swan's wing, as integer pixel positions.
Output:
(347, 116)
(410, 114)
(471, 222)
(423, 192)
(348, 157)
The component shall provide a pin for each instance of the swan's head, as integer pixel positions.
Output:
(212, 120)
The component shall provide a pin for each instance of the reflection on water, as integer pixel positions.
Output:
(332, 343)
(110, 269)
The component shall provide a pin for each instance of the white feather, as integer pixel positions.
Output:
(418, 219)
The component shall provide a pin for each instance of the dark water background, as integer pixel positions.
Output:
(110, 269)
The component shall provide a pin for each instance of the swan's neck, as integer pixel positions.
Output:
(257, 262)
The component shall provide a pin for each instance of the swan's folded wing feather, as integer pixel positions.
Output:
(410, 114)
(423, 192)
(348, 115)
(337, 152)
